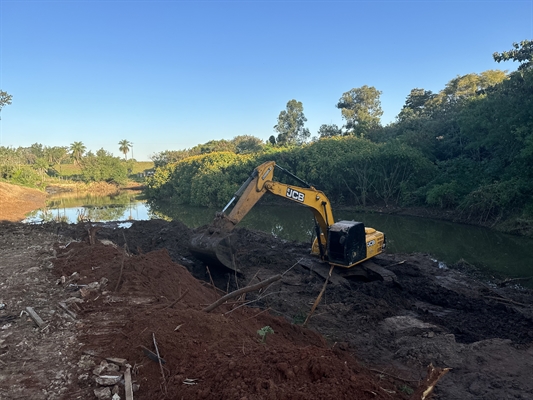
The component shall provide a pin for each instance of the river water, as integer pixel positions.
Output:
(494, 252)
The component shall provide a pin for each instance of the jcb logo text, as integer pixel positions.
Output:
(295, 195)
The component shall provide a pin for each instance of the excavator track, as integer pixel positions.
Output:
(365, 271)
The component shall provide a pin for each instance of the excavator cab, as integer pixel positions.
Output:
(346, 243)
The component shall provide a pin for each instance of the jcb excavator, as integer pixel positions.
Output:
(343, 244)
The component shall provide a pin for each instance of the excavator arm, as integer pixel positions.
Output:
(259, 183)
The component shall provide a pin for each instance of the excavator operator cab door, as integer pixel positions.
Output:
(346, 243)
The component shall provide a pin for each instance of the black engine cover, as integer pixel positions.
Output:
(346, 242)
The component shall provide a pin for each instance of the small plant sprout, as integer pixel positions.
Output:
(264, 331)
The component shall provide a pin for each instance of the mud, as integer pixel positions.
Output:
(145, 291)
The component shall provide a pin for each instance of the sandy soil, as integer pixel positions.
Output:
(16, 201)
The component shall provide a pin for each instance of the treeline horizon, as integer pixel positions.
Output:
(32, 166)
(467, 148)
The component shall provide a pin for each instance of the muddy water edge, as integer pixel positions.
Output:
(477, 249)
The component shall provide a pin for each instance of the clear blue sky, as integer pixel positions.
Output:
(167, 75)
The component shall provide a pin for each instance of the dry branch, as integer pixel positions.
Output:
(211, 280)
(160, 364)
(315, 305)
(246, 289)
(35, 317)
(176, 301)
(506, 300)
(121, 267)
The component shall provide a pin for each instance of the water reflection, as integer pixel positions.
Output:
(73, 208)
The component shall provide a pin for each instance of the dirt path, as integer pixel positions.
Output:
(35, 363)
(366, 339)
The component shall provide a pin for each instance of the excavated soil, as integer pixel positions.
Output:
(111, 299)
(17, 201)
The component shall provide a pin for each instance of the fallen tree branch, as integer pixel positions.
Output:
(294, 265)
(212, 283)
(160, 364)
(393, 376)
(509, 281)
(248, 302)
(315, 305)
(176, 301)
(121, 267)
(246, 289)
(506, 300)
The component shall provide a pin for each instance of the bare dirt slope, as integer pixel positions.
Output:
(140, 296)
(16, 201)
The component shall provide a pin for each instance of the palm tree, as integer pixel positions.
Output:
(76, 151)
(125, 147)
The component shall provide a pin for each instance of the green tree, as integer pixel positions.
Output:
(328, 131)
(41, 166)
(103, 167)
(168, 156)
(290, 126)
(415, 104)
(125, 147)
(361, 108)
(5, 99)
(245, 144)
(37, 150)
(521, 52)
(77, 150)
(56, 155)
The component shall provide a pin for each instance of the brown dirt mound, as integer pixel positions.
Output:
(17, 201)
(221, 351)
(429, 315)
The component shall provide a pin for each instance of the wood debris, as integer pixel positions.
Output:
(35, 317)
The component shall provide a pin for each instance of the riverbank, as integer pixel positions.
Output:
(96, 188)
(17, 201)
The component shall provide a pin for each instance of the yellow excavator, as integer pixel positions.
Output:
(342, 244)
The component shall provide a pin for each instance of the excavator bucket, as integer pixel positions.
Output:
(214, 249)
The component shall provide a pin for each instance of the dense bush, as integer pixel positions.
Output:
(347, 169)
(104, 167)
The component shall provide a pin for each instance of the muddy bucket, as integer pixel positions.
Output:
(214, 249)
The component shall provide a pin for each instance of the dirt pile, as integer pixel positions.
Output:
(430, 315)
(17, 201)
(366, 339)
(206, 355)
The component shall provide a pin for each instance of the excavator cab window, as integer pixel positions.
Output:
(346, 242)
